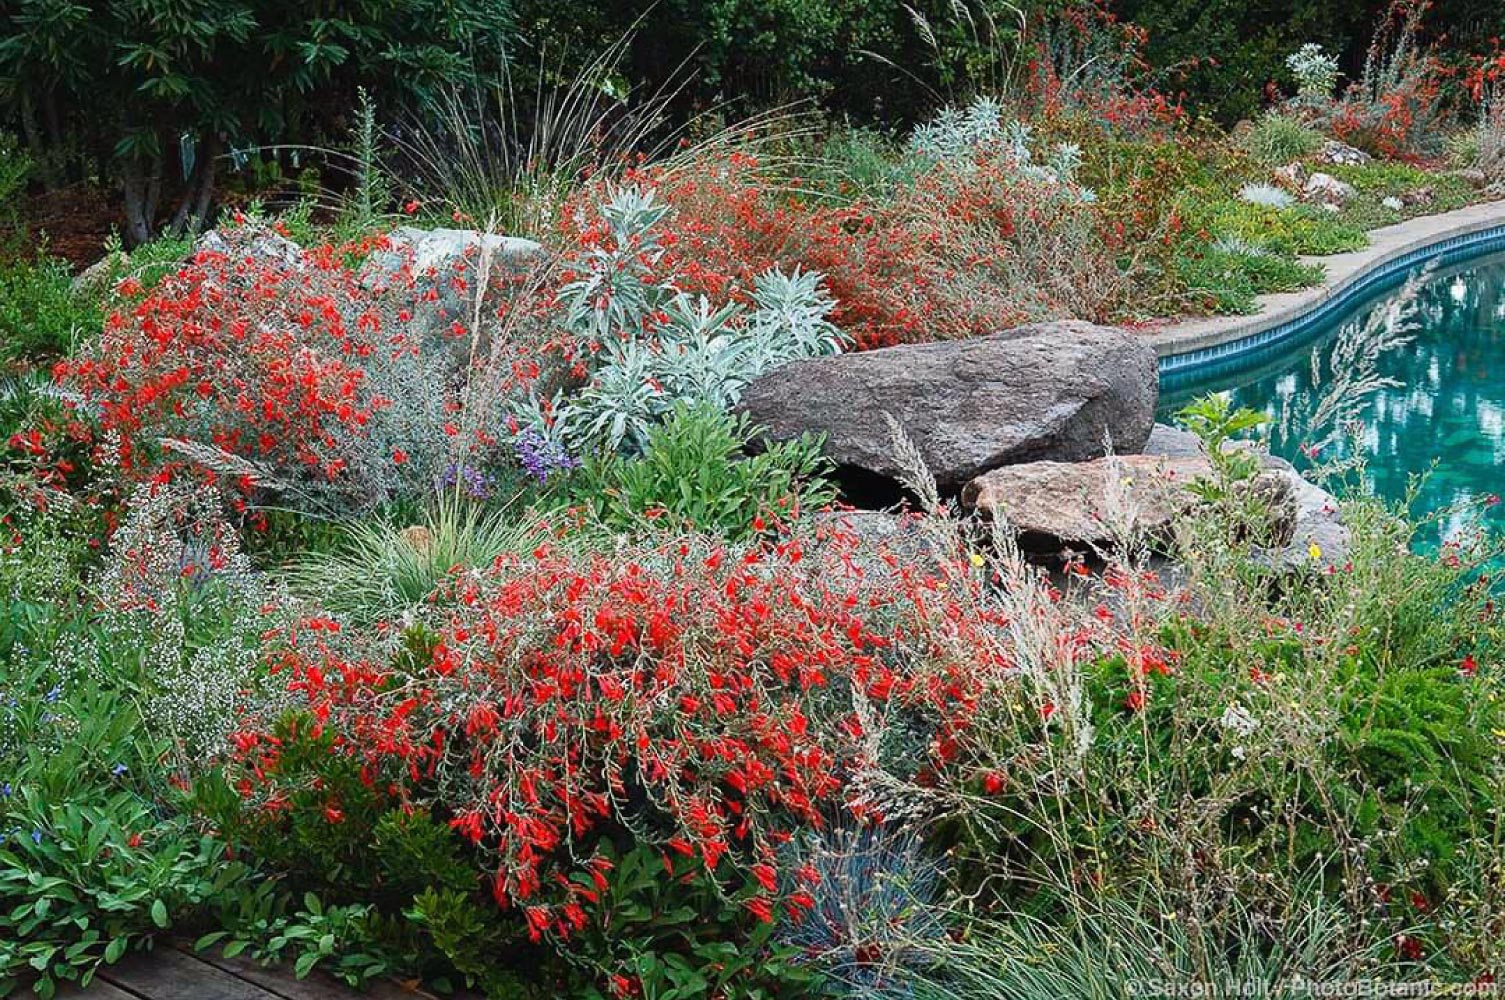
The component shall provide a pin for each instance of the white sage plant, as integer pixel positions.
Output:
(656, 347)
(955, 137)
(1316, 72)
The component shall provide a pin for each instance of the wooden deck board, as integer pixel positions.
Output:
(96, 990)
(168, 974)
(174, 971)
(315, 986)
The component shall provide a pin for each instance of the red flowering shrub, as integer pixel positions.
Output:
(969, 249)
(1485, 82)
(730, 224)
(1007, 248)
(709, 701)
(1394, 108)
(1089, 65)
(266, 366)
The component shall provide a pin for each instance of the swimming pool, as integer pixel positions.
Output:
(1439, 414)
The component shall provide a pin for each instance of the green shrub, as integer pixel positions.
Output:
(94, 855)
(684, 936)
(693, 474)
(137, 87)
(1231, 273)
(40, 317)
(1275, 139)
(1300, 229)
(15, 171)
(1377, 180)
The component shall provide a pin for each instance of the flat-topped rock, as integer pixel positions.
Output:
(1089, 503)
(1049, 391)
(1108, 500)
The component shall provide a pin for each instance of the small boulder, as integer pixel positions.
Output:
(1292, 176)
(1342, 154)
(1319, 538)
(440, 250)
(446, 262)
(1315, 517)
(1325, 189)
(251, 242)
(1054, 504)
(98, 279)
(1418, 197)
(1055, 391)
(1472, 176)
(1172, 442)
(1094, 503)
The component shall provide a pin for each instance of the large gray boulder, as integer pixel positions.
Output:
(441, 251)
(1058, 391)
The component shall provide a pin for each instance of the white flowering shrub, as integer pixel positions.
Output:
(1316, 72)
(183, 610)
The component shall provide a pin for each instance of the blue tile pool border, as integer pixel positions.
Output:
(1446, 251)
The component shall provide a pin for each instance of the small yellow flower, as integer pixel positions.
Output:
(977, 560)
(1314, 550)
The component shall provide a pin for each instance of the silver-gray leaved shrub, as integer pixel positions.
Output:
(658, 347)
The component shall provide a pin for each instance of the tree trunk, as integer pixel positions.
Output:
(143, 193)
(154, 188)
(57, 140)
(35, 145)
(138, 217)
(193, 207)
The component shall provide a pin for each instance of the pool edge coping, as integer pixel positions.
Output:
(1219, 336)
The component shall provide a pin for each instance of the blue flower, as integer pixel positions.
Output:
(54, 694)
(5, 790)
(542, 457)
(118, 770)
(36, 836)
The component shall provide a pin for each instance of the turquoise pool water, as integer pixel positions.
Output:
(1441, 415)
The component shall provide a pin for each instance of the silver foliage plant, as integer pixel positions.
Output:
(659, 346)
(954, 136)
(1316, 72)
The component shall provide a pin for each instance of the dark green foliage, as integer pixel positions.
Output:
(878, 61)
(694, 474)
(94, 859)
(164, 88)
(40, 317)
(1248, 42)
(680, 935)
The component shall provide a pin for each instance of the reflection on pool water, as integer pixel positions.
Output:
(1442, 415)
